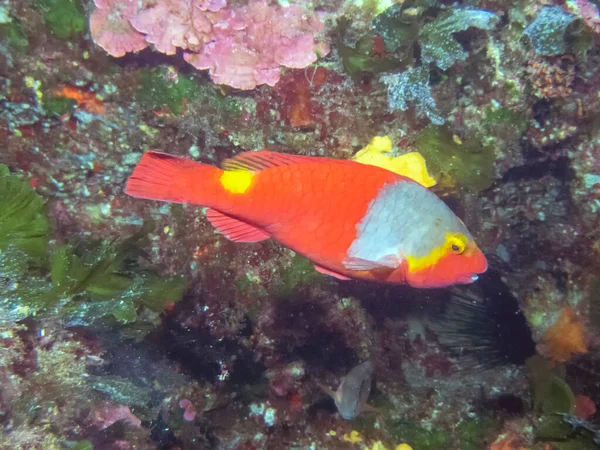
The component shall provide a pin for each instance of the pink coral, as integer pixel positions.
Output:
(189, 413)
(108, 414)
(241, 47)
(588, 12)
(170, 24)
(110, 27)
(244, 56)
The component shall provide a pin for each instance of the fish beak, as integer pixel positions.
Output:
(468, 279)
(479, 263)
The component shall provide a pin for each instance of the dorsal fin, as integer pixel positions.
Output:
(263, 159)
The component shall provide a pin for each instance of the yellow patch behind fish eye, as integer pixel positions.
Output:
(455, 243)
(236, 181)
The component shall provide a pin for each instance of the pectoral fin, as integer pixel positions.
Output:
(385, 262)
(325, 271)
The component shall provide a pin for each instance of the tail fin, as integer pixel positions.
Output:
(159, 176)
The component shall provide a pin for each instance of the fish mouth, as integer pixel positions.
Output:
(469, 278)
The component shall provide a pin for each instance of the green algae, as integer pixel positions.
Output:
(300, 272)
(469, 164)
(83, 445)
(13, 35)
(24, 225)
(57, 106)
(507, 118)
(65, 18)
(82, 282)
(420, 438)
(398, 30)
(250, 286)
(158, 88)
(552, 397)
(550, 393)
(502, 124)
(594, 301)
(96, 279)
(360, 59)
(472, 433)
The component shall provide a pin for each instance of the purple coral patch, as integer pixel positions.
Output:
(110, 27)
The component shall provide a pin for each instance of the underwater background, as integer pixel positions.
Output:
(133, 324)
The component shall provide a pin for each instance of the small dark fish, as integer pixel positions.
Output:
(351, 397)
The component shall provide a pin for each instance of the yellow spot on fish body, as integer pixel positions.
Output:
(236, 181)
(403, 447)
(454, 243)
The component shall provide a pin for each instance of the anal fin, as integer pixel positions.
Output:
(325, 271)
(235, 229)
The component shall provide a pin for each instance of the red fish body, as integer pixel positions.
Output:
(352, 220)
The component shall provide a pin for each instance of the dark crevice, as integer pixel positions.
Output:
(558, 168)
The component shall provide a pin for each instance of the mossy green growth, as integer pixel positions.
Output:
(360, 59)
(418, 437)
(550, 393)
(363, 57)
(552, 398)
(12, 33)
(57, 106)
(506, 118)
(24, 225)
(594, 301)
(157, 89)
(250, 286)
(65, 18)
(300, 272)
(398, 30)
(472, 433)
(469, 163)
(83, 445)
(96, 279)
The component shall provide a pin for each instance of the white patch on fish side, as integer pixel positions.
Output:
(404, 219)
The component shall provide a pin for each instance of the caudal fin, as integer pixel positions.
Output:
(159, 176)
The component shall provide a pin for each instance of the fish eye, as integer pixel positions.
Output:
(457, 244)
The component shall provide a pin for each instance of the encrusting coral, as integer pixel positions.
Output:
(240, 47)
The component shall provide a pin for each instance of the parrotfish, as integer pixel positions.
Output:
(352, 220)
(351, 396)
